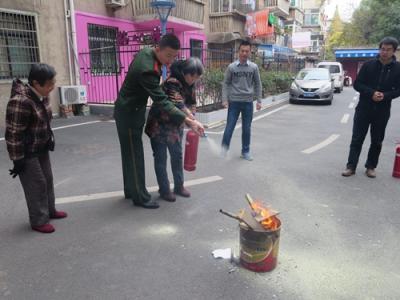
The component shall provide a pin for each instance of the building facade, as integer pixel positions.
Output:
(89, 43)
(31, 31)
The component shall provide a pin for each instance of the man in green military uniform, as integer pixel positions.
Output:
(141, 82)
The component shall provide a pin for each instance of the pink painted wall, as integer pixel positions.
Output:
(104, 88)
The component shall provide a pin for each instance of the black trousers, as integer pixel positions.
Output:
(375, 118)
(37, 182)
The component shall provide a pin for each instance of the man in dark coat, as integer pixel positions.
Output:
(378, 82)
(142, 82)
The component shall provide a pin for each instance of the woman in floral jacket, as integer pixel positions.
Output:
(164, 134)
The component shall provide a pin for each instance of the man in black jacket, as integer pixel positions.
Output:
(378, 82)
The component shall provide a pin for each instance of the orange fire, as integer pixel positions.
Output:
(269, 220)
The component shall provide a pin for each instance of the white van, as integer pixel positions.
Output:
(336, 70)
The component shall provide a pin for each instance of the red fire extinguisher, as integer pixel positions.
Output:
(191, 146)
(396, 167)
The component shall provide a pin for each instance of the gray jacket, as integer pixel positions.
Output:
(242, 82)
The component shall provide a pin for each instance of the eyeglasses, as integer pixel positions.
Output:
(386, 49)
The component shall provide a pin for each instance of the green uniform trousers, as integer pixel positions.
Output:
(130, 130)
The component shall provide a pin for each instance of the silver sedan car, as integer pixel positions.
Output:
(312, 84)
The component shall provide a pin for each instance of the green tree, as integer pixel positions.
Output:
(373, 20)
(335, 36)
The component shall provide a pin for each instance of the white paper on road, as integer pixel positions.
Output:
(222, 253)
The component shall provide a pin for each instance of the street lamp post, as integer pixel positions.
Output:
(163, 8)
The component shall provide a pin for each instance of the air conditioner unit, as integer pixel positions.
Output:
(73, 94)
(115, 3)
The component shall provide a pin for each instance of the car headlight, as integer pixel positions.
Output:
(294, 86)
(326, 88)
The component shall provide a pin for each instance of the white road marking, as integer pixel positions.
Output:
(355, 98)
(208, 132)
(254, 119)
(74, 125)
(351, 105)
(321, 145)
(69, 126)
(62, 181)
(97, 196)
(345, 118)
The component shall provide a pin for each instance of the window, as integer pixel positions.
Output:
(18, 44)
(243, 6)
(296, 3)
(103, 49)
(311, 17)
(196, 48)
(331, 68)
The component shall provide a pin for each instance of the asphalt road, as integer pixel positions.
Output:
(339, 239)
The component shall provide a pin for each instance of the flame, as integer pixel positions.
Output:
(270, 222)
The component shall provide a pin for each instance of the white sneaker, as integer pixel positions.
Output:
(246, 156)
(224, 152)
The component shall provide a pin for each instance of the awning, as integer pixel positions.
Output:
(356, 53)
(271, 50)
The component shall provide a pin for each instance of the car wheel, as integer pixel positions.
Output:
(329, 102)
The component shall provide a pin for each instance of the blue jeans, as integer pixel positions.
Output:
(234, 109)
(160, 163)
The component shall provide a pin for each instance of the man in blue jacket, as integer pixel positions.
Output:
(378, 82)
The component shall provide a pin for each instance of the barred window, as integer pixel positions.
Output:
(196, 48)
(18, 44)
(103, 49)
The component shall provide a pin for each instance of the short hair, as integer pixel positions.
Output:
(169, 40)
(193, 66)
(388, 40)
(41, 73)
(244, 43)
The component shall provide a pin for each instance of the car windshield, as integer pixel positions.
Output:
(313, 75)
(331, 68)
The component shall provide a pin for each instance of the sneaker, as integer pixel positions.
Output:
(45, 228)
(224, 152)
(370, 173)
(58, 215)
(182, 192)
(348, 172)
(246, 156)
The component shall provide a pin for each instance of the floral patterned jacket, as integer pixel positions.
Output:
(159, 126)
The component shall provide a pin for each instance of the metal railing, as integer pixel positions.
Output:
(103, 82)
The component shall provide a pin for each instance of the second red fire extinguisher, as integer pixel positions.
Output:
(191, 147)
(396, 167)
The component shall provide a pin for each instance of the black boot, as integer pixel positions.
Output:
(149, 204)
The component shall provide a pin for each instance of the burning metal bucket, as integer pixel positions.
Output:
(259, 249)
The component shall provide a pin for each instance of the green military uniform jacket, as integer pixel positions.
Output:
(143, 81)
